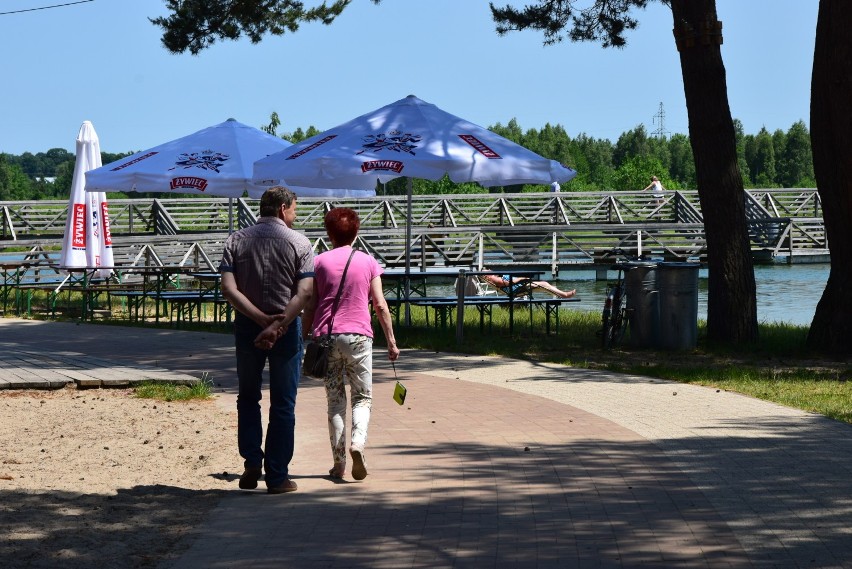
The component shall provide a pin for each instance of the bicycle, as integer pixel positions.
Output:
(615, 315)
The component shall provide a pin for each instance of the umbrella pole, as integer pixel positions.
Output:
(408, 188)
(230, 215)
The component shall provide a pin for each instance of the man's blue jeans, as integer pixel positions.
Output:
(285, 360)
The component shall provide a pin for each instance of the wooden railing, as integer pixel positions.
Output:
(543, 230)
(202, 215)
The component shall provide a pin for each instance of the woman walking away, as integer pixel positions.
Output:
(351, 355)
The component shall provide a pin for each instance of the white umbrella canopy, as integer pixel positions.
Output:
(214, 161)
(87, 242)
(410, 138)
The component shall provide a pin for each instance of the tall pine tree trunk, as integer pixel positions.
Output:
(831, 140)
(731, 300)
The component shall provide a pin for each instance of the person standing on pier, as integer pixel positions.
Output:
(657, 189)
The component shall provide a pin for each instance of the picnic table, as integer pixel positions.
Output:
(442, 306)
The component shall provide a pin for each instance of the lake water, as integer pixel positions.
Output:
(785, 293)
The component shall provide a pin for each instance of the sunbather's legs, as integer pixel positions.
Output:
(553, 290)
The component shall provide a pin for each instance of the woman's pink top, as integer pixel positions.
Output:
(353, 310)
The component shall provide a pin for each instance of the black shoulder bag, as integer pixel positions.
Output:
(317, 350)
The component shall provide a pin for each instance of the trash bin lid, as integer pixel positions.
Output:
(679, 265)
(635, 265)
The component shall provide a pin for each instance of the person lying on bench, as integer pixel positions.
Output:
(518, 284)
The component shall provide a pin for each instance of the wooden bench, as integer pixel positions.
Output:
(187, 305)
(21, 284)
(443, 308)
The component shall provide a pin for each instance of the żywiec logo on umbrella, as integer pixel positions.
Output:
(394, 141)
(205, 160)
(134, 161)
(386, 165)
(78, 226)
(107, 233)
(479, 146)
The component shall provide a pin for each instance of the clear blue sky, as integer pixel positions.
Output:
(102, 61)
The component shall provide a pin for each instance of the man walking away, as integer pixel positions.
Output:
(267, 269)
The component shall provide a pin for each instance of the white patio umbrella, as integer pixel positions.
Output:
(87, 242)
(207, 162)
(213, 161)
(410, 138)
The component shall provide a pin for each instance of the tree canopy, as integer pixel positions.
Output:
(601, 164)
(605, 21)
(195, 25)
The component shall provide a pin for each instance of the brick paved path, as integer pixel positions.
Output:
(500, 463)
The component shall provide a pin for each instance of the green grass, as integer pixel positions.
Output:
(172, 392)
(810, 390)
(778, 368)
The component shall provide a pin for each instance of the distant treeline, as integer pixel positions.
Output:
(41, 176)
(767, 160)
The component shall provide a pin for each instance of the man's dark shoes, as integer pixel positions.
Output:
(286, 486)
(248, 481)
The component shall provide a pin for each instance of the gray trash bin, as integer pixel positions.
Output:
(678, 289)
(640, 282)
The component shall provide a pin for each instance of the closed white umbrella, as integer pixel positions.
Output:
(87, 241)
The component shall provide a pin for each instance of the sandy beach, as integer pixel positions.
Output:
(101, 478)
